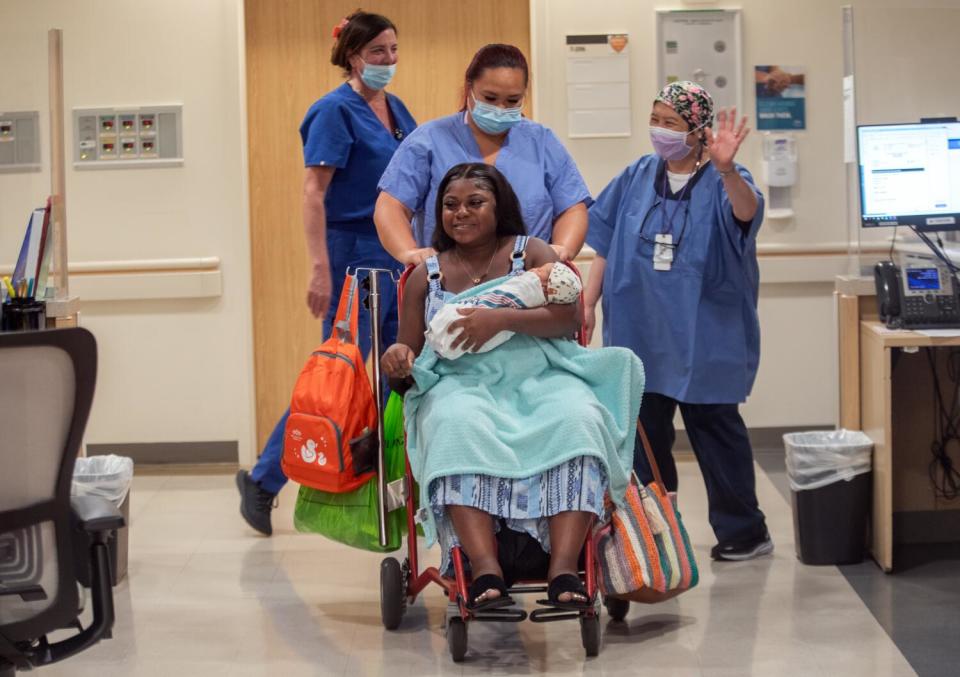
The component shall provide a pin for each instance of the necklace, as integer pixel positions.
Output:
(476, 278)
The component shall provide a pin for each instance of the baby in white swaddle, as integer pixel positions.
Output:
(549, 283)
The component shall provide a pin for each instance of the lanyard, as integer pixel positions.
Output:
(652, 209)
(666, 223)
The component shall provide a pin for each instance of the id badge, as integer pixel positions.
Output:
(663, 251)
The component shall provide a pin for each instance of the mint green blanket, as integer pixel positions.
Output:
(521, 409)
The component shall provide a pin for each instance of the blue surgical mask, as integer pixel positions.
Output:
(493, 119)
(377, 77)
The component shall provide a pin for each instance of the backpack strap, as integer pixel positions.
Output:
(518, 255)
(346, 323)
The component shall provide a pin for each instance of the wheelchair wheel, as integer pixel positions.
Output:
(617, 608)
(392, 593)
(590, 634)
(457, 639)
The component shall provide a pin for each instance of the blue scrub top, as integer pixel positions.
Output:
(340, 130)
(694, 326)
(538, 167)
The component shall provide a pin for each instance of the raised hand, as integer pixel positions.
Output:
(724, 142)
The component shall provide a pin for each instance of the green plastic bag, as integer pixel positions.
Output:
(351, 518)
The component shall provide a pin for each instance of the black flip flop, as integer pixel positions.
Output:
(566, 583)
(488, 582)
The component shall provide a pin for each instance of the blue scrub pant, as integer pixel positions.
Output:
(344, 249)
(719, 439)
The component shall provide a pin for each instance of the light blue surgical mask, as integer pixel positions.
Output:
(377, 77)
(493, 119)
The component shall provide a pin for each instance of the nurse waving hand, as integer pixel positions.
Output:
(491, 129)
(675, 235)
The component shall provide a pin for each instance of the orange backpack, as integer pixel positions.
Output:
(330, 440)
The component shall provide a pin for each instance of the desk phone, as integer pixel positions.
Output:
(921, 295)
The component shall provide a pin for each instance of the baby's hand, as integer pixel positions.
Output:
(543, 272)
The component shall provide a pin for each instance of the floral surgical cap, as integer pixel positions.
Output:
(691, 102)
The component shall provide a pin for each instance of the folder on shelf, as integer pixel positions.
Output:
(34, 260)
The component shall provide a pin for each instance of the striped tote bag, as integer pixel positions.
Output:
(643, 550)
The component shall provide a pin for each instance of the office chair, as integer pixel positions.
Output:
(47, 380)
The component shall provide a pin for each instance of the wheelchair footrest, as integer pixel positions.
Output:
(500, 615)
(550, 614)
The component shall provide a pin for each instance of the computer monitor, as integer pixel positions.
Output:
(910, 175)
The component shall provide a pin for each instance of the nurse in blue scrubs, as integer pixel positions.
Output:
(675, 235)
(348, 137)
(489, 128)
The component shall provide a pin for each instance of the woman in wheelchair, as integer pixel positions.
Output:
(529, 435)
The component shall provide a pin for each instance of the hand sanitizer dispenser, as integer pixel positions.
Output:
(779, 169)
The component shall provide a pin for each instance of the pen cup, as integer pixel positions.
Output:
(23, 315)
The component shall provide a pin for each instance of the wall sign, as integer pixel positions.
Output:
(598, 85)
(781, 97)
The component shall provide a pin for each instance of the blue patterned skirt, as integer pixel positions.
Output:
(524, 504)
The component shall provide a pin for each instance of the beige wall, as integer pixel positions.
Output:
(180, 370)
(900, 70)
(913, 80)
(170, 370)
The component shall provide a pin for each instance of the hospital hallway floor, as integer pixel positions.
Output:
(206, 596)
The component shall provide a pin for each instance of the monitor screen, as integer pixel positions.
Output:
(910, 175)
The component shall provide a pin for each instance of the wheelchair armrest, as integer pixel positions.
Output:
(95, 515)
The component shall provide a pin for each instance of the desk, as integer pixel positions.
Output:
(886, 390)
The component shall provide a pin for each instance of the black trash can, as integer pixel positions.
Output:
(831, 485)
(830, 523)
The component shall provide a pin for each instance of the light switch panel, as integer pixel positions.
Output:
(133, 136)
(20, 142)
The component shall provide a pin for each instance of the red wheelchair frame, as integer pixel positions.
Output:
(400, 584)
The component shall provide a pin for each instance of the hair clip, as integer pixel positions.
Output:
(339, 27)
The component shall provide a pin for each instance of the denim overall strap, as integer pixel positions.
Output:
(518, 255)
(435, 295)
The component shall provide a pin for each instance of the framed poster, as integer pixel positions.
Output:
(598, 85)
(702, 46)
(781, 97)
